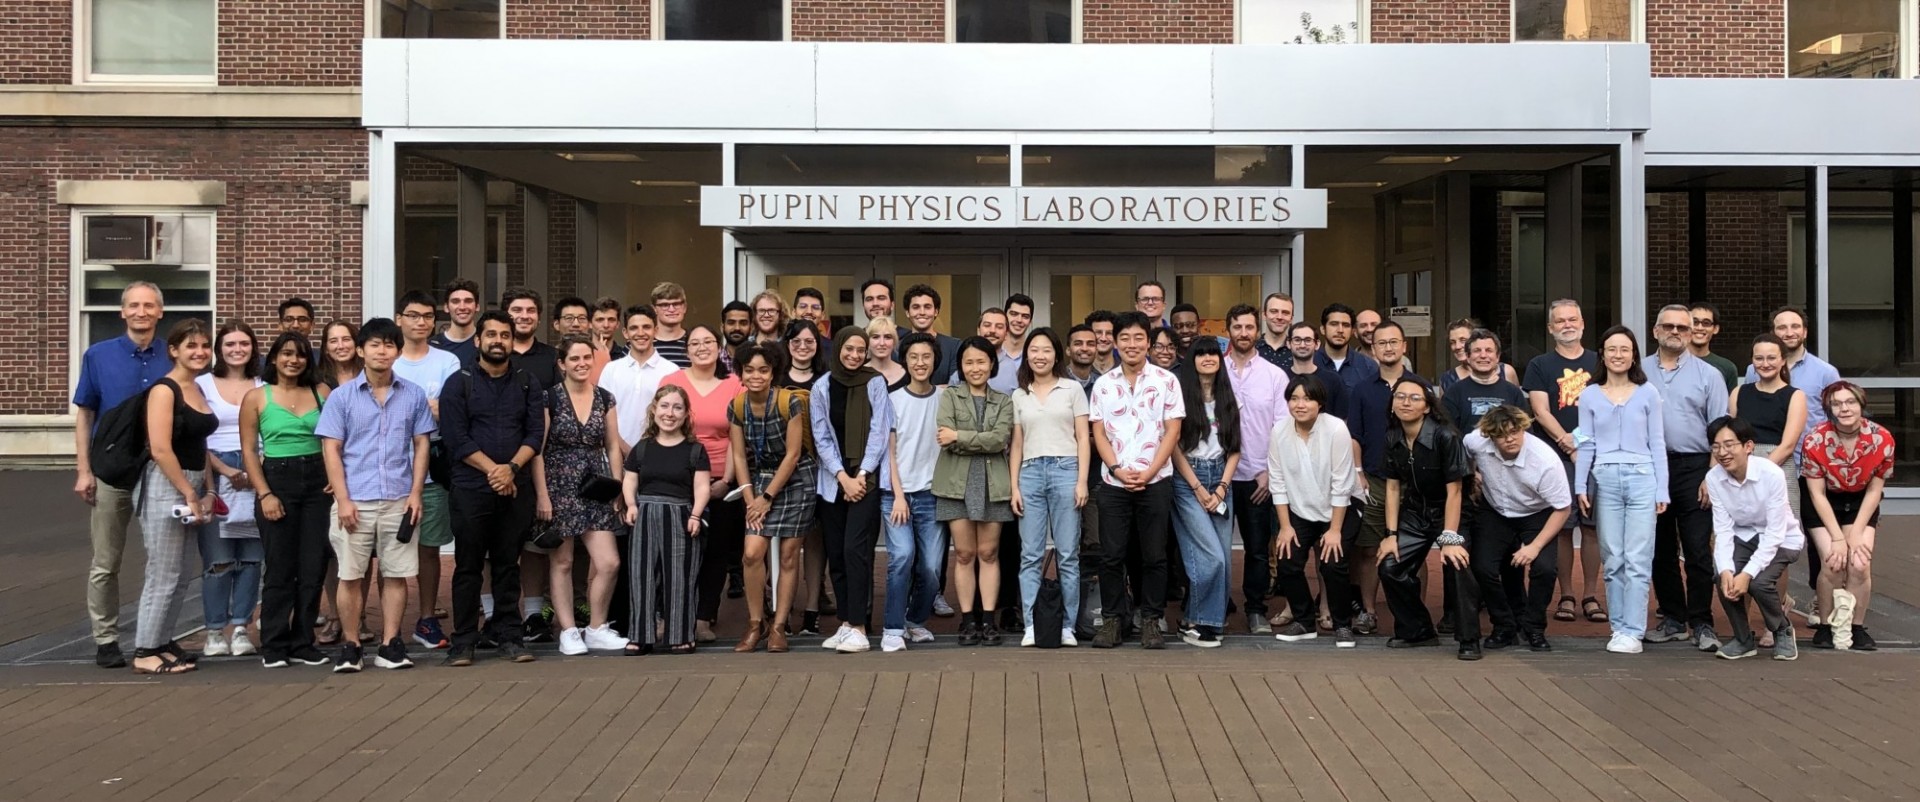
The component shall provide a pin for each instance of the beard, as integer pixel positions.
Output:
(493, 357)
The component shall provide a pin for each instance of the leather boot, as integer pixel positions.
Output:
(751, 640)
(777, 638)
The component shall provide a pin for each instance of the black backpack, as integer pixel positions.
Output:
(119, 452)
(1049, 607)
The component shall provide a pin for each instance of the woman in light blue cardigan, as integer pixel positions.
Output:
(851, 417)
(1623, 446)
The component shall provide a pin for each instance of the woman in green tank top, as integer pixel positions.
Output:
(283, 456)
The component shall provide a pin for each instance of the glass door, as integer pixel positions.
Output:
(835, 276)
(1065, 287)
(966, 282)
(1216, 283)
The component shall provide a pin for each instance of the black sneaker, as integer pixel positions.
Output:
(1397, 643)
(1499, 640)
(969, 636)
(736, 583)
(1468, 650)
(109, 656)
(1822, 637)
(307, 655)
(514, 652)
(1862, 642)
(537, 630)
(393, 655)
(1205, 637)
(273, 660)
(458, 656)
(1445, 626)
(349, 660)
(1537, 641)
(989, 634)
(810, 623)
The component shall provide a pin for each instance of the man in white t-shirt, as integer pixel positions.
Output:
(429, 367)
(915, 548)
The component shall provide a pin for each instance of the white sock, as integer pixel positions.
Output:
(531, 605)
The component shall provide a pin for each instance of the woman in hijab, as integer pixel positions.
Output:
(851, 418)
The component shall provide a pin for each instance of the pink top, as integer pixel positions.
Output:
(709, 416)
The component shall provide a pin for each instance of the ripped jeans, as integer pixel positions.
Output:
(230, 583)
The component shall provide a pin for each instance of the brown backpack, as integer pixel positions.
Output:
(781, 398)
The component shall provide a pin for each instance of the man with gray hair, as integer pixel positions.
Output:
(1693, 394)
(1554, 381)
(111, 372)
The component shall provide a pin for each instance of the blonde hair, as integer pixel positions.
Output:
(883, 323)
(653, 423)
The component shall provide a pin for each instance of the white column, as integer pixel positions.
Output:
(378, 239)
(1823, 294)
(1630, 209)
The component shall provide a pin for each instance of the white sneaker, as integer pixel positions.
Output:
(241, 644)
(855, 641)
(1067, 638)
(216, 645)
(919, 635)
(1624, 644)
(838, 638)
(571, 642)
(603, 639)
(1027, 639)
(893, 641)
(941, 607)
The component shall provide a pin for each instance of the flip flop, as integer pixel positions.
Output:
(1565, 612)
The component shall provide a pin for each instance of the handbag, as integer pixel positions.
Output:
(1049, 606)
(597, 488)
(545, 535)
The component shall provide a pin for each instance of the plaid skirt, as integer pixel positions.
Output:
(793, 511)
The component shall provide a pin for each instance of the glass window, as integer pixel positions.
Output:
(1015, 21)
(1573, 20)
(1863, 305)
(1843, 38)
(731, 20)
(1899, 411)
(440, 19)
(151, 39)
(872, 165)
(431, 252)
(1299, 22)
(960, 295)
(1073, 297)
(186, 288)
(1152, 166)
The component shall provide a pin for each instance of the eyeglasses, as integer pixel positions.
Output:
(295, 319)
(669, 304)
(1152, 299)
(1722, 448)
(1675, 327)
(1379, 342)
(1162, 346)
(1303, 340)
(1705, 323)
(573, 318)
(767, 312)
(1409, 397)
(416, 317)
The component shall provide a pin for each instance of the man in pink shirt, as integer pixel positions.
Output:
(1261, 389)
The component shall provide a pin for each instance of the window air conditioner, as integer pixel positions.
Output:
(119, 239)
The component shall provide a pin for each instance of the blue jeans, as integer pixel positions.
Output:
(913, 553)
(1046, 492)
(1623, 512)
(1205, 541)
(230, 586)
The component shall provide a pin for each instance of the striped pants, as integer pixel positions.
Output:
(663, 570)
(166, 540)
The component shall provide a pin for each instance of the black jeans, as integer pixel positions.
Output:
(1685, 529)
(725, 541)
(1258, 522)
(489, 531)
(1335, 577)
(296, 549)
(851, 529)
(1400, 580)
(1127, 517)
(1492, 577)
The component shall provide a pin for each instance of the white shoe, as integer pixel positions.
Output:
(893, 641)
(216, 645)
(603, 639)
(838, 638)
(855, 641)
(919, 635)
(241, 644)
(1624, 644)
(571, 642)
(941, 607)
(1067, 638)
(1027, 639)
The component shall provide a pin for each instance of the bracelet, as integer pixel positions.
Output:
(1451, 538)
(264, 496)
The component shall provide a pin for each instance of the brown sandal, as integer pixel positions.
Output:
(1566, 611)
(1591, 608)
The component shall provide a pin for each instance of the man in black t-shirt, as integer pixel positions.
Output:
(1483, 388)
(1554, 381)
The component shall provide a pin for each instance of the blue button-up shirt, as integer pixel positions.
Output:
(113, 371)
(376, 440)
(1692, 395)
(1368, 409)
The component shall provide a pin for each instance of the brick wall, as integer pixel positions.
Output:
(1717, 38)
(1401, 21)
(36, 42)
(579, 19)
(869, 20)
(1668, 258)
(288, 220)
(291, 42)
(1178, 21)
(1747, 260)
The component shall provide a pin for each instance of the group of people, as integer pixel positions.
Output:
(765, 458)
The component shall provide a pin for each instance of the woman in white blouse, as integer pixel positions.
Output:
(1049, 459)
(1311, 476)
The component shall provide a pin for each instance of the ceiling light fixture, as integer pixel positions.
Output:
(650, 182)
(629, 158)
(1353, 185)
(1418, 160)
(1000, 159)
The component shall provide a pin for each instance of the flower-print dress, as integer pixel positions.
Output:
(574, 449)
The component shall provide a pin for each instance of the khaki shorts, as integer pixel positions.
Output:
(379, 526)
(1373, 517)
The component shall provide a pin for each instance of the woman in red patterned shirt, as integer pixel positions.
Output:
(1846, 461)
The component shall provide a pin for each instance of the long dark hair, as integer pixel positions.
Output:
(1436, 414)
(819, 363)
(1226, 408)
(302, 346)
(1025, 373)
(249, 369)
(1635, 373)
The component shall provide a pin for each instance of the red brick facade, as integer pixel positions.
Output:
(36, 42)
(869, 20)
(1717, 38)
(579, 19)
(291, 42)
(288, 227)
(1747, 259)
(1427, 21)
(1156, 21)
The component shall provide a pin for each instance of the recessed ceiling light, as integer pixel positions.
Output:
(648, 182)
(1003, 159)
(630, 158)
(1353, 185)
(1418, 160)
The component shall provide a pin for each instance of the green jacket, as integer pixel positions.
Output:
(989, 442)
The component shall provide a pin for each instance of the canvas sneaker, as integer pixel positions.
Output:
(919, 635)
(1624, 644)
(1295, 632)
(1067, 638)
(855, 641)
(241, 644)
(603, 639)
(893, 641)
(216, 645)
(838, 638)
(572, 642)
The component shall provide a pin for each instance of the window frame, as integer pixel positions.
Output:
(371, 14)
(657, 11)
(1909, 55)
(1364, 34)
(1637, 35)
(77, 307)
(83, 56)
(1078, 12)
